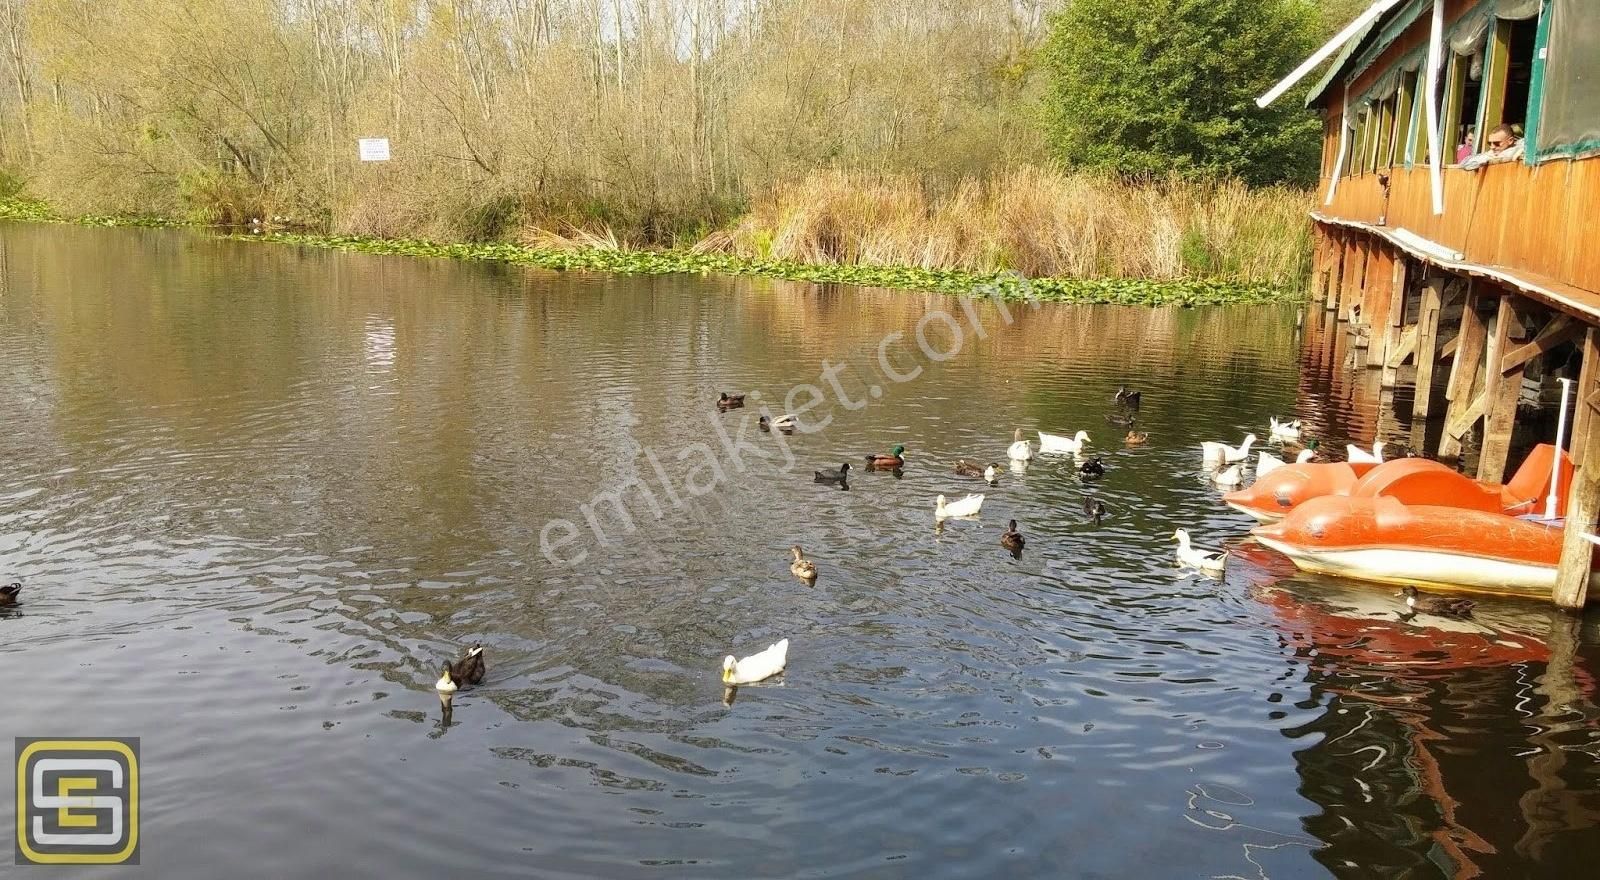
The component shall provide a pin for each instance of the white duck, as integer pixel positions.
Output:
(1269, 462)
(1357, 455)
(1222, 453)
(1281, 431)
(756, 667)
(1058, 443)
(1195, 558)
(1229, 477)
(1020, 449)
(968, 506)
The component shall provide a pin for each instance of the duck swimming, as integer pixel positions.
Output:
(1442, 606)
(990, 474)
(1020, 449)
(1211, 563)
(784, 424)
(1094, 508)
(10, 592)
(1094, 467)
(835, 477)
(1136, 438)
(1127, 397)
(1059, 443)
(1012, 539)
(968, 506)
(729, 401)
(1123, 420)
(802, 567)
(467, 670)
(756, 667)
(1215, 453)
(896, 458)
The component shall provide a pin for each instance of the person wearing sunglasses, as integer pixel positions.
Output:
(1502, 145)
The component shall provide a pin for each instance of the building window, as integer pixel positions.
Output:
(1510, 73)
(1465, 81)
(1405, 98)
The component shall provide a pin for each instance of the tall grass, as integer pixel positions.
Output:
(1039, 222)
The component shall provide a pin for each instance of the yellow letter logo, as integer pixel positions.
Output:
(77, 801)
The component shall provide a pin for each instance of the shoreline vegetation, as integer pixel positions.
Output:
(1075, 238)
(913, 144)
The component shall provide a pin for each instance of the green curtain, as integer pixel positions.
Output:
(1569, 114)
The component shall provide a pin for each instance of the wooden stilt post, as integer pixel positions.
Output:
(1319, 263)
(1355, 267)
(1502, 384)
(1336, 264)
(1583, 412)
(1583, 498)
(1466, 405)
(1356, 309)
(1398, 340)
(1379, 310)
(1427, 344)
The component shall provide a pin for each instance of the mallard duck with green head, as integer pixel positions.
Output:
(894, 460)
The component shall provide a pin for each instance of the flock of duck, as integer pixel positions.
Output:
(1224, 463)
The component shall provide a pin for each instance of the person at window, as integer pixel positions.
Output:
(1464, 151)
(1504, 145)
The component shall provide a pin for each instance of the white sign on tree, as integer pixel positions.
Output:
(374, 149)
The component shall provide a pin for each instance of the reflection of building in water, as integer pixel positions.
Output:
(1454, 751)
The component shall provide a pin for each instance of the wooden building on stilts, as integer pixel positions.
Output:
(1457, 226)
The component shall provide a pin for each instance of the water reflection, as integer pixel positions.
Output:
(258, 495)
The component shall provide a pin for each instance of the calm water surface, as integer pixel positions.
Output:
(257, 494)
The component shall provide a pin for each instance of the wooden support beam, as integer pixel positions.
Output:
(1427, 342)
(1588, 402)
(1448, 350)
(1399, 353)
(1335, 271)
(1583, 498)
(1562, 329)
(1361, 310)
(1319, 264)
(1355, 271)
(1501, 389)
(1388, 299)
(1461, 420)
(1465, 378)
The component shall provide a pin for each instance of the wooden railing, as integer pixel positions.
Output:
(1543, 220)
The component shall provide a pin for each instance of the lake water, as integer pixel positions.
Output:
(258, 494)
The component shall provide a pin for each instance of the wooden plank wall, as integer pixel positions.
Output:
(1543, 220)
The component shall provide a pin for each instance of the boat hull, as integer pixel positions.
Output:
(1384, 540)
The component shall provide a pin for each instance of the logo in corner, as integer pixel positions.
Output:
(77, 801)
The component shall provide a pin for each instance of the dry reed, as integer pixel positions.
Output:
(1040, 222)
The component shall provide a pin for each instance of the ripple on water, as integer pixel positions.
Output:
(253, 521)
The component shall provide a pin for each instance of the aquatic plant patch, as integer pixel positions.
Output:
(1009, 285)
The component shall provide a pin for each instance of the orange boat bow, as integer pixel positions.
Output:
(1414, 481)
(1285, 488)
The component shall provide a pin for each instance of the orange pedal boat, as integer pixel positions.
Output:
(1384, 539)
(1416, 481)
